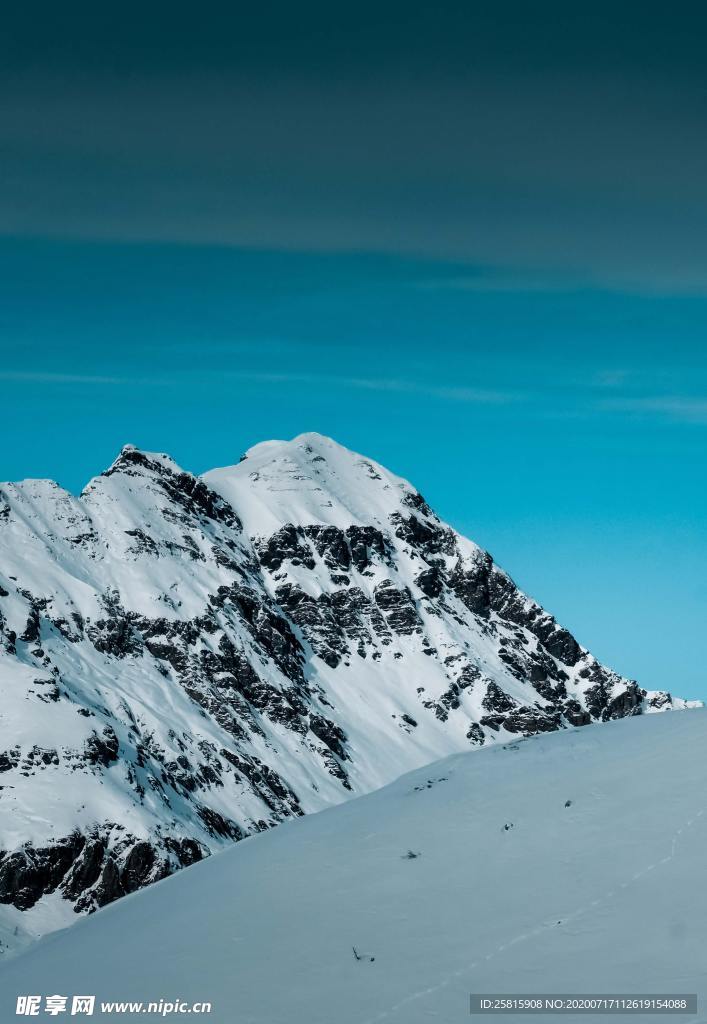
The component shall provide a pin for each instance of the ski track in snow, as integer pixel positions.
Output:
(541, 928)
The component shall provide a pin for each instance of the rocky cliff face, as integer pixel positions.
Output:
(185, 661)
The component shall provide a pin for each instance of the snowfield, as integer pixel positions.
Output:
(596, 885)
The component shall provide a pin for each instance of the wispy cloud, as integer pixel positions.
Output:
(675, 407)
(612, 379)
(44, 377)
(569, 403)
(501, 280)
(449, 392)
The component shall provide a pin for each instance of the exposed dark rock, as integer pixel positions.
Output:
(575, 713)
(428, 537)
(398, 608)
(108, 889)
(116, 636)
(367, 542)
(329, 733)
(86, 868)
(475, 733)
(497, 700)
(102, 749)
(9, 759)
(660, 701)
(332, 545)
(32, 630)
(137, 867)
(218, 825)
(530, 721)
(431, 581)
(483, 588)
(29, 873)
(287, 545)
(604, 705)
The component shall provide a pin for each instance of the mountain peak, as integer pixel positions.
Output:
(310, 443)
(133, 460)
(309, 480)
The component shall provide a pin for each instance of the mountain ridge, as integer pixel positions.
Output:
(187, 660)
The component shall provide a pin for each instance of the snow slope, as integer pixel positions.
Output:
(187, 661)
(597, 887)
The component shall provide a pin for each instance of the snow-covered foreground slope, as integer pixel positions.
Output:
(599, 885)
(187, 661)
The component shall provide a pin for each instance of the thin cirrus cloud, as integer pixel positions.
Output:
(43, 377)
(675, 407)
(682, 408)
(449, 392)
(386, 384)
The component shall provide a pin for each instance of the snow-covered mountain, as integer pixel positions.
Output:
(185, 661)
(565, 863)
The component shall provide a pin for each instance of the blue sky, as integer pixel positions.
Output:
(559, 422)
